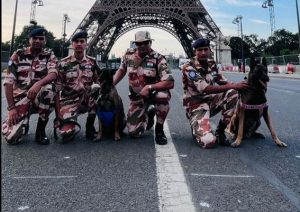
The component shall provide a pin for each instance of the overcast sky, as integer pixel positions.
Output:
(255, 20)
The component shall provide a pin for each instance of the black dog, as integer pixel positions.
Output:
(110, 110)
(251, 107)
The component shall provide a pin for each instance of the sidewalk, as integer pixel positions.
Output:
(271, 75)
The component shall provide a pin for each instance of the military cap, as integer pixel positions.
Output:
(201, 42)
(81, 34)
(38, 32)
(142, 36)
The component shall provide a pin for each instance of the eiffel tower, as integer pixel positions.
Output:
(187, 20)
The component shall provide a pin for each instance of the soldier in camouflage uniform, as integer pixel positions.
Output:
(76, 74)
(206, 93)
(28, 88)
(149, 83)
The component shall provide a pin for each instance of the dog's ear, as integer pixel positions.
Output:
(264, 62)
(252, 63)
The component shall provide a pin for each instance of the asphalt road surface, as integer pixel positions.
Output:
(138, 175)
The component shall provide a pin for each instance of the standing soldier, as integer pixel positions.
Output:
(76, 74)
(149, 83)
(206, 93)
(28, 88)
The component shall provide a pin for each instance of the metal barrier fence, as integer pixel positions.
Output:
(276, 60)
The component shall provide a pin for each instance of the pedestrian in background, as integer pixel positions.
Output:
(206, 94)
(29, 88)
(150, 81)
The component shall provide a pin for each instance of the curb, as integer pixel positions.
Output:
(271, 75)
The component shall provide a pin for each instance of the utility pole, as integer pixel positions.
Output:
(65, 20)
(298, 23)
(13, 32)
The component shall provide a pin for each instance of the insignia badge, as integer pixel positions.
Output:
(192, 74)
(10, 62)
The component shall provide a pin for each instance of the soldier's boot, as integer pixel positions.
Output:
(40, 134)
(150, 114)
(89, 126)
(220, 134)
(160, 137)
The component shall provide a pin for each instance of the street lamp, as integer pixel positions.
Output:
(33, 8)
(238, 21)
(66, 19)
(269, 4)
(13, 31)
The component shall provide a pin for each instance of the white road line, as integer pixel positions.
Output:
(43, 177)
(173, 192)
(298, 156)
(221, 175)
(22, 208)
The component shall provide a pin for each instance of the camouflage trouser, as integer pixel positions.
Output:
(73, 106)
(43, 104)
(137, 115)
(199, 116)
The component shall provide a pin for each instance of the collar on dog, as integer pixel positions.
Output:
(253, 107)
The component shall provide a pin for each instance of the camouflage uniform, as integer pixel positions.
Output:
(201, 106)
(149, 70)
(74, 86)
(23, 71)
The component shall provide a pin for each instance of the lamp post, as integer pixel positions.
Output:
(238, 20)
(13, 32)
(298, 23)
(269, 4)
(65, 20)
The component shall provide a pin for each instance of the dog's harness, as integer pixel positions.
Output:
(254, 107)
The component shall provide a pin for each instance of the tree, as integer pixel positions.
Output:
(236, 48)
(281, 39)
(256, 46)
(22, 39)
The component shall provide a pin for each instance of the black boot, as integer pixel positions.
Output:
(40, 134)
(220, 134)
(150, 114)
(89, 126)
(160, 136)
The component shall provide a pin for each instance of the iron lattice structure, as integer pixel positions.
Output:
(107, 20)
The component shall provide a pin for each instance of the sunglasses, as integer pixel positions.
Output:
(202, 49)
(38, 38)
(142, 43)
(79, 41)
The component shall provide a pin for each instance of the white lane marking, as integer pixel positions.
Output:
(173, 192)
(67, 157)
(221, 175)
(184, 156)
(204, 204)
(22, 208)
(43, 177)
(298, 156)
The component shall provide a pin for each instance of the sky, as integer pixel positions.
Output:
(256, 20)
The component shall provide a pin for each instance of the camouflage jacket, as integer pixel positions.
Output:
(24, 70)
(76, 77)
(151, 69)
(194, 80)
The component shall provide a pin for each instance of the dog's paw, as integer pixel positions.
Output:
(280, 143)
(97, 138)
(235, 144)
(117, 137)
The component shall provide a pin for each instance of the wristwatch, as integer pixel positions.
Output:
(150, 87)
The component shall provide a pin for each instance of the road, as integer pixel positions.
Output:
(137, 175)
